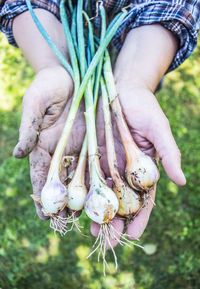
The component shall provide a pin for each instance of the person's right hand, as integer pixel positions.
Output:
(43, 103)
(45, 107)
(48, 98)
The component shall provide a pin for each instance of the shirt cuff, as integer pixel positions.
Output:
(175, 18)
(12, 8)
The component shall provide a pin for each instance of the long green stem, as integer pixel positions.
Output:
(99, 67)
(100, 51)
(81, 40)
(79, 172)
(110, 147)
(56, 160)
(90, 33)
(70, 6)
(89, 105)
(49, 40)
(71, 48)
(124, 131)
(114, 21)
(89, 8)
(74, 32)
(90, 55)
(90, 46)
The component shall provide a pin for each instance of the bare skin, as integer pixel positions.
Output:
(140, 65)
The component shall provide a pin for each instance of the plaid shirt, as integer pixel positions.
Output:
(181, 17)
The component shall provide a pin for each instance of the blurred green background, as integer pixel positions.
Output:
(32, 256)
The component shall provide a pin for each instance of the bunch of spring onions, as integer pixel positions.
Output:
(91, 71)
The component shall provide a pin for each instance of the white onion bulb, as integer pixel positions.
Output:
(129, 201)
(77, 193)
(142, 173)
(54, 198)
(101, 204)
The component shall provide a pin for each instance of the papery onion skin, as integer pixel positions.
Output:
(130, 202)
(101, 204)
(142, 173)
(54, 198)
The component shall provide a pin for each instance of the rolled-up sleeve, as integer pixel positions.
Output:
(180, 17)
(11, 8)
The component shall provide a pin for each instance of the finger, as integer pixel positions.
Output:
(32, 116)
(39, 165)
(118, 225)
(137, 226)
(168, 151)
(43, 103)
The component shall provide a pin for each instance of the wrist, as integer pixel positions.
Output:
(145, 56)
(32, 43)
(54, 80)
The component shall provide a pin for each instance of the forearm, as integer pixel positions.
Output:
(145, 56)
(32, 43)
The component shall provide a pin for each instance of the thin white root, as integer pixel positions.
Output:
(75, 223)
(107, 232)
(59, 224)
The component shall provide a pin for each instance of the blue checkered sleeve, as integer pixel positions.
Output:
(11, 8)
(181, 17)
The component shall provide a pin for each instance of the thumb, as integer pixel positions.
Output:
(168, 151)
(32, 116)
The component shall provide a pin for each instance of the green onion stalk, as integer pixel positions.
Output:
(141, 170)
(99, 193)
(77, 190)
(129, 200)
(54, 196)
(101, 203)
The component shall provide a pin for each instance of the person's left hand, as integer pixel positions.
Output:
(139, 67)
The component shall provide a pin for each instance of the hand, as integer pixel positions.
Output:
(48, 98)
(45, 107)
(150, 130)
(43, 103)
(138, 70)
